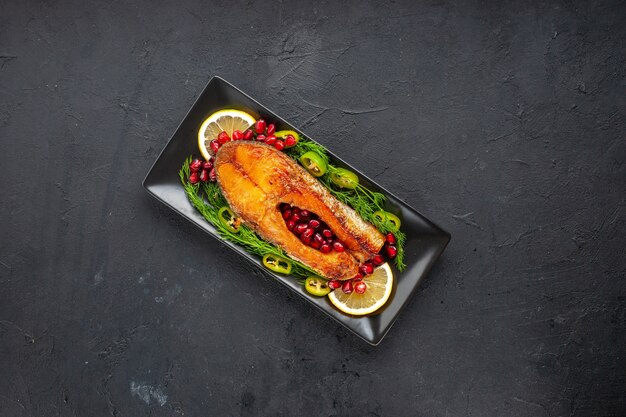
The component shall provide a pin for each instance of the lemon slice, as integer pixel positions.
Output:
(379, 286)
(227, 120)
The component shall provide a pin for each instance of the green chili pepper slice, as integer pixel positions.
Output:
(229, 220)
(384, 216)
(344, 178)
(313, 163)
(316, 286)
(277, 264)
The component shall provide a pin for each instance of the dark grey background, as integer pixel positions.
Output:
(504, 123)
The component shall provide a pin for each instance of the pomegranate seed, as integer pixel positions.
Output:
(270, 140)
(296, 210)
(271, 128)
(290, 141)
(358, 277)
(295, 216)
(204, 175)
(247, 135)
(315, 244)
(237, 135)
(305, 214)
(300, 228)
(207, 165)
(280, 145)
(347, 287)
(318, 238)
(378, 260)
(215, 145)
(287, 214)
(314, 224)
(223, 137)
(360, 287)
(390, 238)
(306, 240)
(290, 224)
(260, 138)
(325, 248)
(333, 284)
(194, 178)
(195, 165)
(308, 232)
(259, 126)
(212, 175)
(338, 246)
(367, 268)
(392, 251)
(327, 233)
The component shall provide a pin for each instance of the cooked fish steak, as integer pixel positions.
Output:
(256, 178)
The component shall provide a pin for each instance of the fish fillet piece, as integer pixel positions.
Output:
(256, 178)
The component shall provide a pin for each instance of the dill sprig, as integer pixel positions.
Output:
(207, 198)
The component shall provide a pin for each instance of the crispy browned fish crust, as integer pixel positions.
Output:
(255, 178)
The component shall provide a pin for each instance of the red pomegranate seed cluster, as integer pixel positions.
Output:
(265, 133)
(390, 248)
(223, 137)
(356, 284)
(201, 171)
(310, 229)
(261, 132)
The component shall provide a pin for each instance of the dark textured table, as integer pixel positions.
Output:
(503, 123)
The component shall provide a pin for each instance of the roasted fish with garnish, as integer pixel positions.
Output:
(287, 206)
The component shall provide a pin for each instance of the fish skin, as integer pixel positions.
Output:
(255, 178)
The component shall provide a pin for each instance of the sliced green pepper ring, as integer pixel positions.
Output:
(229, 220)
(344, 178)
(384, 216)
(314, 163)
(277, 264)
(284, 133)
(316, 286)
